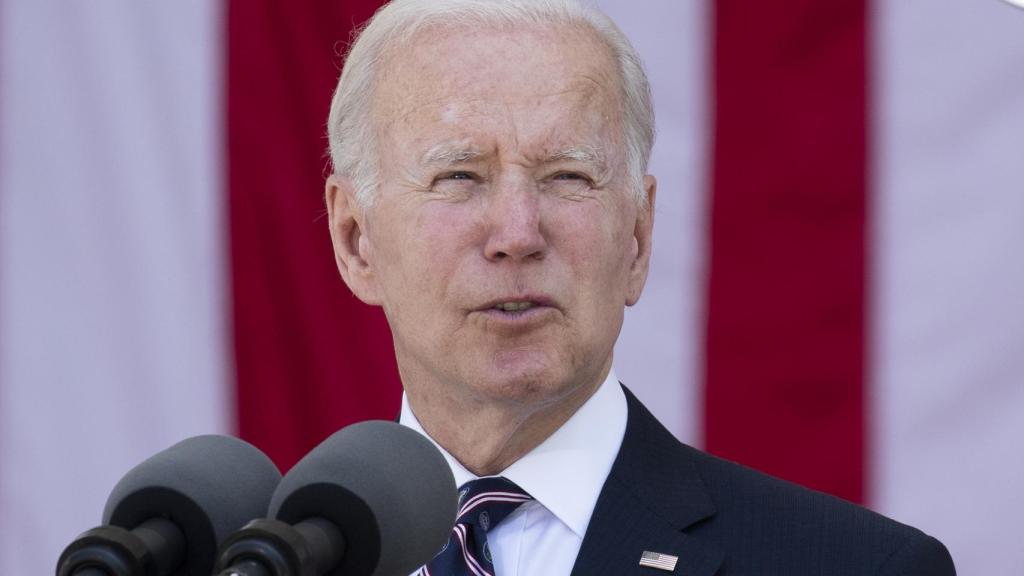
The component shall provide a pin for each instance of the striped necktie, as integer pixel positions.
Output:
(483, 503)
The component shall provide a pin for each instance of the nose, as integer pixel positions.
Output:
(514, 223)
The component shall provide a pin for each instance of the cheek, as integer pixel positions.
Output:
(597, 242)
(421, 252)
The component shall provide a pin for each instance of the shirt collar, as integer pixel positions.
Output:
(566, 472)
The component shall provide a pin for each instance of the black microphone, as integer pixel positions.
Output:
(168, 514)
(375, 498)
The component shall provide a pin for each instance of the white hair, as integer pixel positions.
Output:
(350, 128)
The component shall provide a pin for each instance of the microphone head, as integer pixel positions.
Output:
(209, 486)
(386, 487)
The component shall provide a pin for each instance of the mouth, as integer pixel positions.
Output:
(518, 304)
(518, 310)
(514, 306)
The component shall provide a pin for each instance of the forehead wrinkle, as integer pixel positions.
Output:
(601, 72)
(402, 107)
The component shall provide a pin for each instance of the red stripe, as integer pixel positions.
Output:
(309, 357)
(785, 342)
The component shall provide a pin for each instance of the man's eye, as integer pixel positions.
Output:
(458, 176)
(456, 184)
(571, 177)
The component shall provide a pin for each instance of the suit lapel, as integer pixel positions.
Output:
(653, 493)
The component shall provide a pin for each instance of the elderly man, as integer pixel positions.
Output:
(489, 192)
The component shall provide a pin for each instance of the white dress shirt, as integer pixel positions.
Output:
(564, 474)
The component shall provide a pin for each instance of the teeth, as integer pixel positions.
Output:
(514, 306)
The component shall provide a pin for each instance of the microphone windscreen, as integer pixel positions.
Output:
(386, 487)
(209, 486)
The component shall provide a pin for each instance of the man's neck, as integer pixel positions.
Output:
(487, 437)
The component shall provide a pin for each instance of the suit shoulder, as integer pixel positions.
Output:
(803, 523)
(734, 486)
(920, 556)
(763, 524)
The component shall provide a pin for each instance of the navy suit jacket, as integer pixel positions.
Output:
(721, 518)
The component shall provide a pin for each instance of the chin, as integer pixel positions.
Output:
(527, 382)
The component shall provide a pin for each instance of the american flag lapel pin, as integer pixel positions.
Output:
(666, 562)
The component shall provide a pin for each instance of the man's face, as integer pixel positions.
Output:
(503, 243)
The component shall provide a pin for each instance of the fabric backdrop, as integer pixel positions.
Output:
(835, 295)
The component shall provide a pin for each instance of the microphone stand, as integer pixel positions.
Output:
(266, 547)
(247, 568)
(154, 547)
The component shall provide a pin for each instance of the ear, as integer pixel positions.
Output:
(642, 235)
(352, 248)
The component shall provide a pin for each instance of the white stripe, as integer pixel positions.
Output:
(658, 352)
(495, 493)
(460, 531)
(474, 506)
(492, 497)
(949, 322)
(112, 335)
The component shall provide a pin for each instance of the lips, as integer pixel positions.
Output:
(517, 303)
(514, 306)
(516, 316)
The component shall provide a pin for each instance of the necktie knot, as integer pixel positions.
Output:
(487, 501)
(483, 503)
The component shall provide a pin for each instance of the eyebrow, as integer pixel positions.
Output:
(448, 153)
(585, 153)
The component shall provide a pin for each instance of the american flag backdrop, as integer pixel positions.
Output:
(836, 296)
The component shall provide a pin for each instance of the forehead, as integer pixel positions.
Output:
(551, 85)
